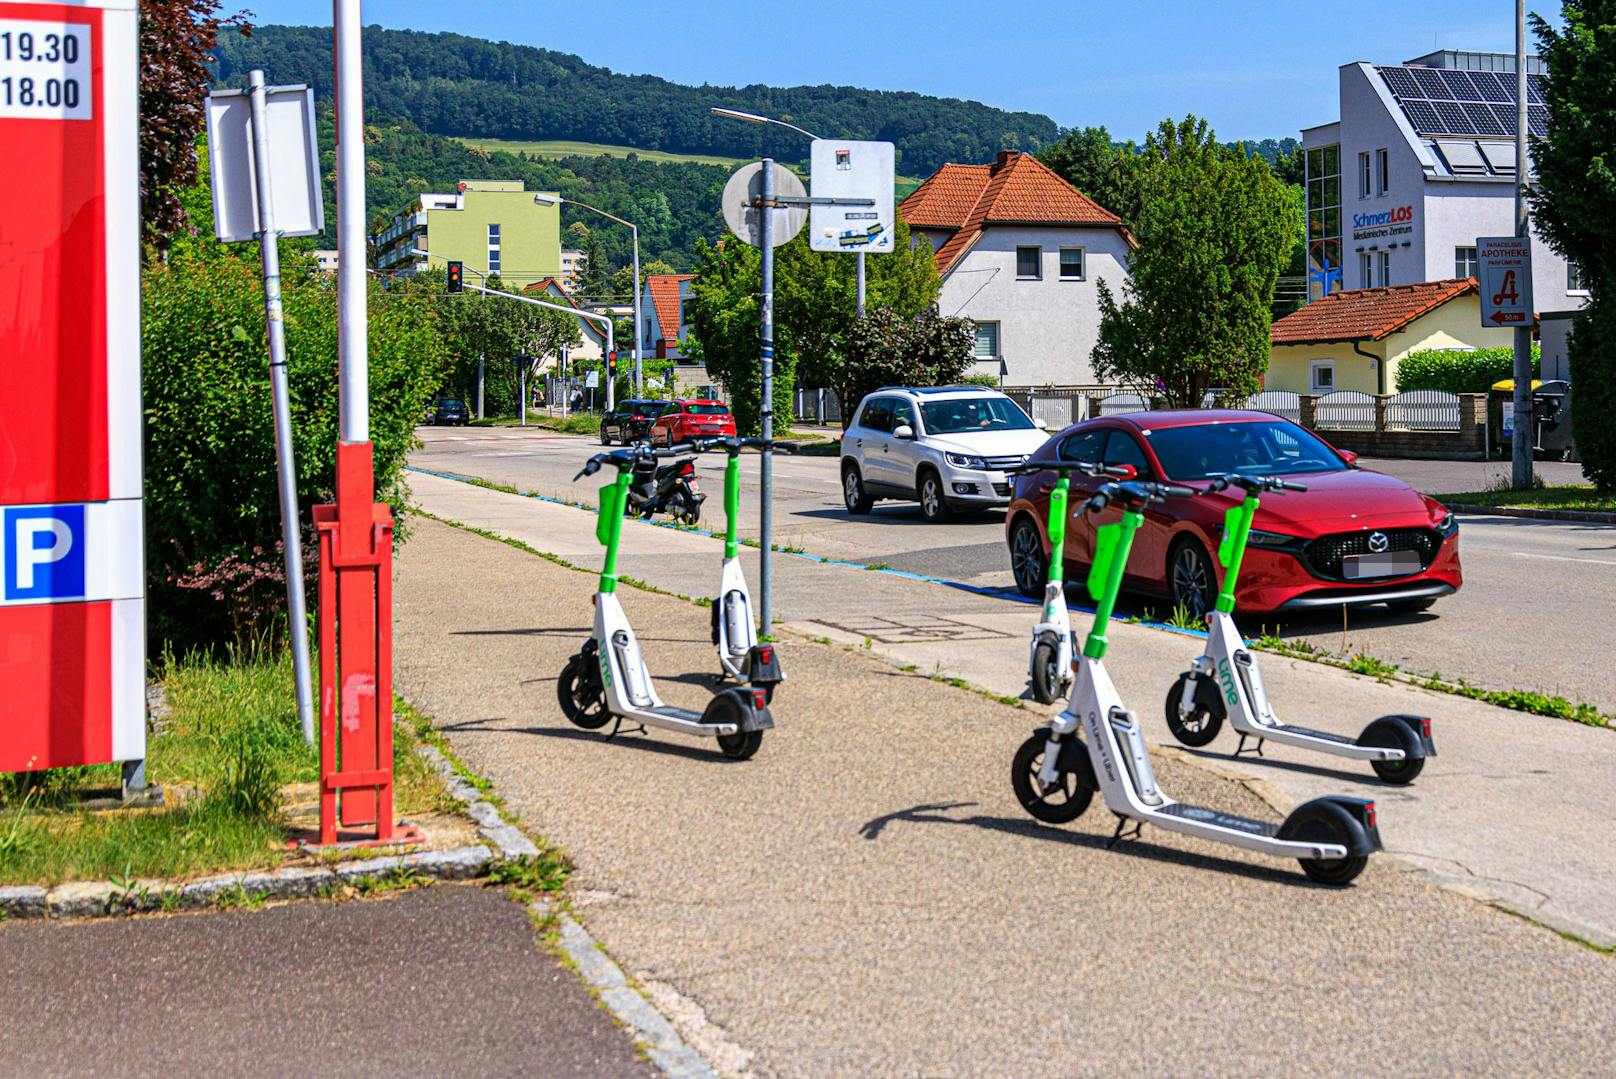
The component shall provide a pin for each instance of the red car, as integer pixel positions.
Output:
(699, 418)
(1353, 537)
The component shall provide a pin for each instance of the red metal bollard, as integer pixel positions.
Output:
(356, 654)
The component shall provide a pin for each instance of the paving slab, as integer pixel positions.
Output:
(865, 897)
(1504, 787)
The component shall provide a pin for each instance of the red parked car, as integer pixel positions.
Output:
(1353, 537)
(699, 418)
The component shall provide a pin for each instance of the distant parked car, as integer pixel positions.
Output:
(946, 447)
(698, 418)
(1353, 537)
(631, 420)
(447, 411)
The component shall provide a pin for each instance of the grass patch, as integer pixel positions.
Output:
(558, 148)
(577, 423)
(1581, 497)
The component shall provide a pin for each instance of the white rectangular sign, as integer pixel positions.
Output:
(843, 169)
(44, 70)
(1506, 280)
(294, 165)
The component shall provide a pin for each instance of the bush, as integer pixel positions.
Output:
(1593, 397)
(981, 379)
(1459, 370)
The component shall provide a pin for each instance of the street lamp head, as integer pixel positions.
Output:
(736, 114)
(548, 200)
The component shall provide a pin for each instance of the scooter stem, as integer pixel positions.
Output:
(1232, 551)
(1057, 528)
(609, 529)
(732, 502)
(1109, 566)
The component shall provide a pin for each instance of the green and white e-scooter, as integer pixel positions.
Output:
(1049, 662)
(740, 655)
(606, 679)
(1057, 770)
(1225, 682)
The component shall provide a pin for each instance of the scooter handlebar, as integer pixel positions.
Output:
(1253, 483)
(1088, 468)
(733, 445)
(1135, 493)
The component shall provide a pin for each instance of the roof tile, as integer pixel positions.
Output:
(664, 288)
(1366, 314)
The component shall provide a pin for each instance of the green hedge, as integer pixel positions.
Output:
(1458, 371)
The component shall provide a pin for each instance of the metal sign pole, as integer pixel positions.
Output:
(297, 629)
(639, 373)
(1521, 449)
(861, 284)
(479, 385)
(353, 367)
(766, 406)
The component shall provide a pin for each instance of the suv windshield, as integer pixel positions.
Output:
(973, 414)
(1259, 447)
(707, 410)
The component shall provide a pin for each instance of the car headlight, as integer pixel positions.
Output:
(966, 460)
(1448, 525)
(1269, 539)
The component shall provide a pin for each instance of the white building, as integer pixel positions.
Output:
(570, 258)
(664, 307)
(1021, 253)
(1421, 163)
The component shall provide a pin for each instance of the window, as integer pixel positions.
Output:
(1200, 451)
(1383, 171)
(1574, 281)
(1326, 273)
(985, 413)
(877, 415)
(648, 342)
(1363, 175)
(1366, 269)
(903, 414)
(493, 248)
(1121, 449)
(1083, 446)
(1071, 264)
(1385, 268)
(1464, 262)
(1321, 376)
(1029, 262)
(987, 341)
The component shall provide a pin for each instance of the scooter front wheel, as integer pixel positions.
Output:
(1060, 804)
(1047, 683)
(1202, 724)
(580, 693)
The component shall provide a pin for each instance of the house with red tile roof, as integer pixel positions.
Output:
(1021, 253)
(553, 290)
(1354, 339)
(662, 307)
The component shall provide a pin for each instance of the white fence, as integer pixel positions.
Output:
(1058, 413)
(820, 406)
(1345, 410)
(1282, 403)
(1423, 410)
(1119, 403)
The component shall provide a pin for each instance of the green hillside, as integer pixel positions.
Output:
(555, 149)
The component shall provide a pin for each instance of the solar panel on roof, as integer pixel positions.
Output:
(1537, 120)
(1459, 84)
(1491, 87)
(1454, 121)
(1401, 82)
(1422, 116)
(1505, 115)
(1534, 89)
(1431, 83)
(1481, 120)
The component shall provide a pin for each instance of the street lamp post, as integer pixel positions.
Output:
(634, 230)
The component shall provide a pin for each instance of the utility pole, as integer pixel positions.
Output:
(1521, 449)
(861, 284)
(766, 406)
(479, 385)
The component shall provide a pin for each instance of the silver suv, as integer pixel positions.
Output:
(945, 447)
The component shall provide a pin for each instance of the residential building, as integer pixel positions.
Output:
(664, 301)
(492, 226)
(1353, 339)
(594, 343)
(1021, 253)
(1421, 163)
(325, 260)
(570, 258)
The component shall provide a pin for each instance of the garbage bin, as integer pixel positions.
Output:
(1501, 414)
(1551, 420)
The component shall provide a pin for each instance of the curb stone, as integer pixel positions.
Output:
(1587, 516)
(491, 824)
(24, 901)
(660, 1040)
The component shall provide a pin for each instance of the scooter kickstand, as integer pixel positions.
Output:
(1119, 835)
(1241, 748)
(639, 728)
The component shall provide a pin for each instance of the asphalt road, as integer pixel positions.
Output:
(865, 898)
(1527, 582)
(448, 980)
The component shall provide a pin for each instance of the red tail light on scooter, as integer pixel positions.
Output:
(687, 469)
(760, 699)
(1369, 814)
(766, 653)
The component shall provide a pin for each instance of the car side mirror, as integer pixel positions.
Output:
(903, 430)
(1040, 424)
(1349, 457)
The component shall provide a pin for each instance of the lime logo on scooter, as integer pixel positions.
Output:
(1226, 680)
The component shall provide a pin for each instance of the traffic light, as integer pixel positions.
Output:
(611, 364)
(456, 277)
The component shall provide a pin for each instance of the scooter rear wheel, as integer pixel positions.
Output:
(1047, 683)
(580, 693)
(1202, 725)
(1336, 871)
(1061, 804)
(740, 746)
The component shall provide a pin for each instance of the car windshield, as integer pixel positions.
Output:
(973, 414)
(708, 410)
(1258, 447)
(449, 403)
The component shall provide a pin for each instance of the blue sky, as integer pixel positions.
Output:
(1255, 69)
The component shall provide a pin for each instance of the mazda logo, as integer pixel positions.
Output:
(1378, 542)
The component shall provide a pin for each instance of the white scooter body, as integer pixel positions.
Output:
(737, 632)
(629, 691)
(1116, 749)
(1055, 629)
(1234, 671)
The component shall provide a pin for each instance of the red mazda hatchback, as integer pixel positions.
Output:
(698, 418)
(1353, 537)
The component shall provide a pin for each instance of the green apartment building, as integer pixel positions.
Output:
(492, 226)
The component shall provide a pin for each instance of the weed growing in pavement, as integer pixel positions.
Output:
(236, 897)
(400, 878)
(1181, 618)
(1375, 668)
(878, 565)
(548, 872)
(15, 841)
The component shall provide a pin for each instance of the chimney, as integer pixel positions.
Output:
(1003, 159)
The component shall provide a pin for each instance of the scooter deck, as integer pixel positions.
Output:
(668, 711)
(1309, 732)
(1202, 815)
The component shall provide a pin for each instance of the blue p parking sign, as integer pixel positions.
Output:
(44, 548)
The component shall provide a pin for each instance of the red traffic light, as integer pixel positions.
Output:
(456, 277)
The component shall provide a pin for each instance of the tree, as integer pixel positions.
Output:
(885, 348)
(498, 330)
(176, 37)
(1215, 228)
(1574, 203)
(593, 274)
(726, 333)
(1101, 169)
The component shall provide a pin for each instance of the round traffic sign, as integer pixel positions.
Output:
(745, 220)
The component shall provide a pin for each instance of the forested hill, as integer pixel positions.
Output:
(449, 84)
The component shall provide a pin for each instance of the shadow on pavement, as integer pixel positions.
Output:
(704, 750)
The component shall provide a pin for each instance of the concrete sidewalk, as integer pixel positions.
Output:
(1505, 786)
(865, 897)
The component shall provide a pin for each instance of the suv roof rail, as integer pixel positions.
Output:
(954, 388)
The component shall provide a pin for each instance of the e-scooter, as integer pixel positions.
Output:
(1225, 681)
(1049, 662)
(1056, 772)
(606, 679)
(734, 632)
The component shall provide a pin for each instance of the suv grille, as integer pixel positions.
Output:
(1324, 554)
(1001, 463)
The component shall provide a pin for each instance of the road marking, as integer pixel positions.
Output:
(1565, 558)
